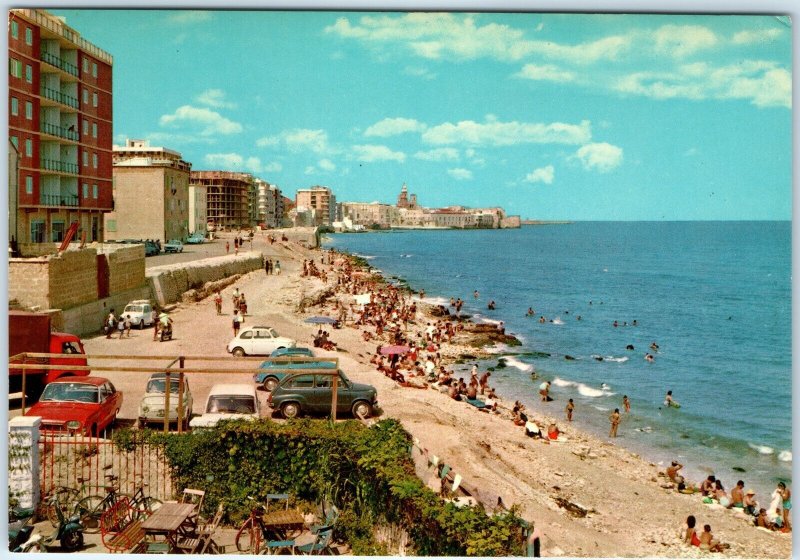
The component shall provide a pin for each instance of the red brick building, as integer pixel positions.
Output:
(60, 120)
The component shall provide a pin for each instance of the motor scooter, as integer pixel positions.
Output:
(69, 533)
(19, 526)
(166, 332)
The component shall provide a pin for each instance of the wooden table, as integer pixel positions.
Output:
(167, 520)
(284, 523)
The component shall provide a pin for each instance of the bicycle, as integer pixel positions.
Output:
(91, 508)
(253, 532)
(67, 499)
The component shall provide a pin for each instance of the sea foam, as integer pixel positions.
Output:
(582, 388)
(785, 456)
(762, 449)
(513, 362)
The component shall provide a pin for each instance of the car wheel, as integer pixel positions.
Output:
(362, 408)
(238, 352)
(290, 410)
(270, 383)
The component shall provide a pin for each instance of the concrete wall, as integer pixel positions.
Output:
(167, 283)
(88, 318)
(126, 268)
(73, 278)
(29, 282)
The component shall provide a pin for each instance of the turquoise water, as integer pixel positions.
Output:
(715, 296)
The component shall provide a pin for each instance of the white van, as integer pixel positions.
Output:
(228, 401)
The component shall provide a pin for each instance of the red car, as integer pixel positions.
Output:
(78, 405)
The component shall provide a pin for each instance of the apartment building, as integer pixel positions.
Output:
(227, 198)
(198, 209)
(371, 214)
(151, 193)
(321, 200)
(60, 121)
(270, 204)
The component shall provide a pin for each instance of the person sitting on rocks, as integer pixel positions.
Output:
(672, 472)
(707, 486)
(708, 542)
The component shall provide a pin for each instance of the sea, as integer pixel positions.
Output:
(715, 297)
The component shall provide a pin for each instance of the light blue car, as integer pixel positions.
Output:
(196, 239)
(271, 373)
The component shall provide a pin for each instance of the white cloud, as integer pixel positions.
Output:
(762, 82)
(391, 127)
(601, 156)
(230, 161)
(326, 165)
(310, 170)
(495, 133)
(541, 175)
(546, 72)
(438, 154)
(683, 40)
(299, 139)
(170, 140)
(215, 98)
(460, 174)
(372, 152)
(749, 37)
(253, 164)
(419, 72)
(273, 167)
(210, 122)
(185, 17)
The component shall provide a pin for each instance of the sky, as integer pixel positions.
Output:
(551, 116)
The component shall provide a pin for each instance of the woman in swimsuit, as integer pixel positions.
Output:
(691, 535)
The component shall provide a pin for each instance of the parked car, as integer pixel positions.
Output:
(173, 246)
(78, 405)
(151, 248)
(151, 407)
(195, 239)
(227, 401)
(293, 351)
(272, 373)
(141, 313)
(261, 341)
(311, 393)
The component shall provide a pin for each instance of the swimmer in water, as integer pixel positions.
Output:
(649, 357)
(654, 346)
(626, 402)
(669, 401)
(629, 347)
(542, 319)
(531, 312)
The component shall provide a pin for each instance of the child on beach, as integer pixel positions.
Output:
(614, 419)
(569, 409)
(626, 402)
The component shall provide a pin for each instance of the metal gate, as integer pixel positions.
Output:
(90, 464)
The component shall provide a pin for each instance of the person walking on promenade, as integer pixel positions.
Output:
(121, 326)
(227, 247)
(128, 325)
(237, 322)
(266, 266)
(277, 267)
(154, 316)
(570, 408)
(614, 418)
(218, 302)
(111, 323)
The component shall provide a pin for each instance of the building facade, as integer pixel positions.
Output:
(60, 121)
(151, 193)
(227, 198)
(321, 200)
(270, 204)
(370, 215)
(198, 214)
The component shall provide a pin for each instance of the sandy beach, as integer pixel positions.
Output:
(630, 513)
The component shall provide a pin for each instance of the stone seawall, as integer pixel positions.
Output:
(169, 282)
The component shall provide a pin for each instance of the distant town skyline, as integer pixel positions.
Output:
(551, 116)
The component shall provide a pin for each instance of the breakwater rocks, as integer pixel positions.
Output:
(488, 334)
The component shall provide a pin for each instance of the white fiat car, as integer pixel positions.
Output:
(228, 401)
(259, 341)
(141, 313)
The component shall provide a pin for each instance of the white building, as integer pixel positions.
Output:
(198, 216)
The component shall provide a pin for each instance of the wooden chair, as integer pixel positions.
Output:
(320, 545)
(194, 497)
(203, 538)
(278, 498)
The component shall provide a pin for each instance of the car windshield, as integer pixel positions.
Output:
(133, 309)
(272, 332)
(70, 392)
(157, 385)
(237, 404)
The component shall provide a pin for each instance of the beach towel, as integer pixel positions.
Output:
(476, 403)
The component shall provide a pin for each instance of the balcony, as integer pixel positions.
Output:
(60, 63)
(59, 97)
(60, 131)
(59, 200)
(56, 165)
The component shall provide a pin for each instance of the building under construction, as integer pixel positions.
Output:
(228, 194)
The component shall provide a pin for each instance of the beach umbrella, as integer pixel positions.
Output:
(395, 349)
(321, 320)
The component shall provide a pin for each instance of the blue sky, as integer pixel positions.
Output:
(552, 116)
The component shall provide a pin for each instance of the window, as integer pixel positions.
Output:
(28, 36)
(15, 30)
(302, 381)
(15, 68)
(58, 231)
(85, 191)
(29, 110)
(28, 184)
(15, 141)
(37, 231)
(94, 161)
(94, 100)
(86, 97)
(94, 192)
(29, 147)
(14, 106)
(85, 126)
(86, 65)
(85, 158)
(94, 130)
(94, 69)
(111, 225)
(28, 73)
